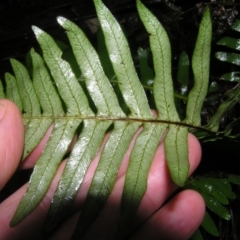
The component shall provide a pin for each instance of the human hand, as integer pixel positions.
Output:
(167, 217)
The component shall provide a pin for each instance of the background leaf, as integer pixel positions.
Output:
(209, 225)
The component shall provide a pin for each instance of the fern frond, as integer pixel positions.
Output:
(55, 97)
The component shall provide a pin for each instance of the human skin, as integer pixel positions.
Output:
(163, 215)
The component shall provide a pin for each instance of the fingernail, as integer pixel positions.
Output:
(2, 111)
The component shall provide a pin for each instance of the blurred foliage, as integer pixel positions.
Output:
(217, 192)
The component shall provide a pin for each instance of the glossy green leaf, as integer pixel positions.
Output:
(236, 25)
(181, 93)
(216, 207)
(235, 179)
(232, 77)
(224, 186)
(200, 65)
(233, 58)
(146, 73)
(209, 225)
(183, 72)
(205, 185)
(230, 42)
(213, 87)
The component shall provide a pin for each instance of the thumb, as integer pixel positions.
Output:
(11, 140)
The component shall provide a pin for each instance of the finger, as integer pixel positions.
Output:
(159, 188)
(11, 139)
(36, 218)
(178, 219)
(30, 227)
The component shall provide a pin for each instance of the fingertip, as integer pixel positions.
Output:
(189, 211)
(180, 217)
(11, 139)
(192, 210)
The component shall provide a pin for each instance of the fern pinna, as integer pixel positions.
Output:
(55, 97)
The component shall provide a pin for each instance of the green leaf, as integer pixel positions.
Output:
(209, 225)
(206, 185)
(213, 87)
(183, 72)
(200, 65)
(216, 207)
(223, 186)
(12, 92)
(233, 58)
(235, 179)
(197, 235)
(230, 42)
(146, 73)
(232, 77)
(236, 25)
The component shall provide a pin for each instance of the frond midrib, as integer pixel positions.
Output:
(127, 119)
